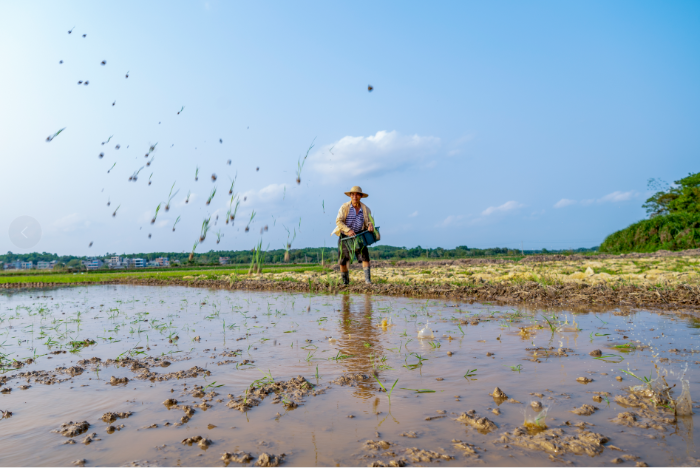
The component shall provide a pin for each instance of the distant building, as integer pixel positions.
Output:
(27, 265)
(41, 265)
(224, 260)
(93, 264)
(162, 261)
(115, 262)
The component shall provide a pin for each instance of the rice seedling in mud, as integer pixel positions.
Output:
(302, 161)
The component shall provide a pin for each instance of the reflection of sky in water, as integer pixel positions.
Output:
(288, 335)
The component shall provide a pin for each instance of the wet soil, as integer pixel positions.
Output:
(144, 376)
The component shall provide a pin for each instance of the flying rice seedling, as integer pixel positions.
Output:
(205, 229)
(187, 200)
(191, 257)
(115, 211)
(213, 192)
(51, 137)
(196, 174)
(171, 195)
(301, 162)
(218, 236)
(470, 373)
(110, 169)
(156, 215)
(176, 221)
(419, 390)
(233, 182)
(252, 215)
(135, 176)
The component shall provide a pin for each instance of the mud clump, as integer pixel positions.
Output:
(631, 419)
(583, 380)
(556, 441)
(266, 459)
(417, 455)
(72, 429)
(350, 379)
(596, 353)
(398, 462)
(481, 424)
(409, 434)
(118, 380)
(468, 449)
(236, 457)
(498, 394)
(585, 410)
(170, 402)
(203, 442)
(90, 438)
(291, 393)
(376, 445)
(111, 417)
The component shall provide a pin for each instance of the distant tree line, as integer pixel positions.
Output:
(305, 255)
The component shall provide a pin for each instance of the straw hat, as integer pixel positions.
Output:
(356, 189)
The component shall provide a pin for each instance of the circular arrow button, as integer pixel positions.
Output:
(25, 232)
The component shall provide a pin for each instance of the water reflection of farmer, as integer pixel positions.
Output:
(353, 217)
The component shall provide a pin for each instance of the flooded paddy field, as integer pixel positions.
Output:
(170, 375)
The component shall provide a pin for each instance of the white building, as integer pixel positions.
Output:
(41, 265)
(93, 264)
(27, 265)
(138, 262)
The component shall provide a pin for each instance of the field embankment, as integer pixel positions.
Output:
(663, 280)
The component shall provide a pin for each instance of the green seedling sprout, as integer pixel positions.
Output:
(194, 247)
(643, 379)
(301, 162)
(196, 174)
(610, 358)
(110, 169)
(460, 329)
(218, 236)
(470, 373)
(517, 368)
(176, 221)
(388, 392)
(115, 211)
(187, 200)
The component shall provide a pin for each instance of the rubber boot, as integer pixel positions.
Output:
(368, 276)
(345, 276)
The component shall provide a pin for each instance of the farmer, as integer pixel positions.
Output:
(353, 217)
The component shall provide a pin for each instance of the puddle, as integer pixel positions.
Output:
(162, 376)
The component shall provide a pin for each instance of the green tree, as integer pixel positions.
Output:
(684, 197)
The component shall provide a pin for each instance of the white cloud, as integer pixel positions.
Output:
(617, 197)
(360, 157)
(588, 201)
(413, 215)
(507, 206)
(564, 202)
(452, 220)
(70, 222)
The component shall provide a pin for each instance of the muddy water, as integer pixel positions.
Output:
(323, 338)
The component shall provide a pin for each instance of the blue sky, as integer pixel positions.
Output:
(490, 123)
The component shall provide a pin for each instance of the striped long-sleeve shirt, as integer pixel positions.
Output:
(355, 219)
